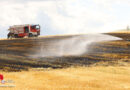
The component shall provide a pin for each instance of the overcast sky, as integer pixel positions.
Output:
(65, 16)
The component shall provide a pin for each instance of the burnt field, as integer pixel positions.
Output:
(22, 54)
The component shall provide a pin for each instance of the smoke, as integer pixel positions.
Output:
(72, 46)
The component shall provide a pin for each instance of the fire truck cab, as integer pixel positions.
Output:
(20, 31)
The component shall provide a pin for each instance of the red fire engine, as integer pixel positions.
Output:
(20, 31)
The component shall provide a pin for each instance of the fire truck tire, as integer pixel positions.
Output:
(16, 36)
(35, 35)
(30, 35)
(10, 35)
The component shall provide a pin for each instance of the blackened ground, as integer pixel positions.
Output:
(14, 53)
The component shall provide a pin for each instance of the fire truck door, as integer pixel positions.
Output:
(26, 30)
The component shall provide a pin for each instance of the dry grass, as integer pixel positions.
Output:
(79, 78)
(121, 31)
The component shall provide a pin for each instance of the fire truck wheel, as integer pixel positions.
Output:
(10, 35)
(36, 36)
(16, 35)
(30, 35)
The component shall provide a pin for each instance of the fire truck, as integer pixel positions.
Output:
(21, 31)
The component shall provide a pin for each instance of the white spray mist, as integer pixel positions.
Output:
(73, 46)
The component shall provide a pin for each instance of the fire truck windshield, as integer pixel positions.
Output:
(35, 27)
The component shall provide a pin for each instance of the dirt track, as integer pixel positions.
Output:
(14, 54)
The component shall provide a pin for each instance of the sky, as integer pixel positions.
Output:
(65, 16)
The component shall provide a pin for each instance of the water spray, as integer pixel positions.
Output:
(72, 46)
